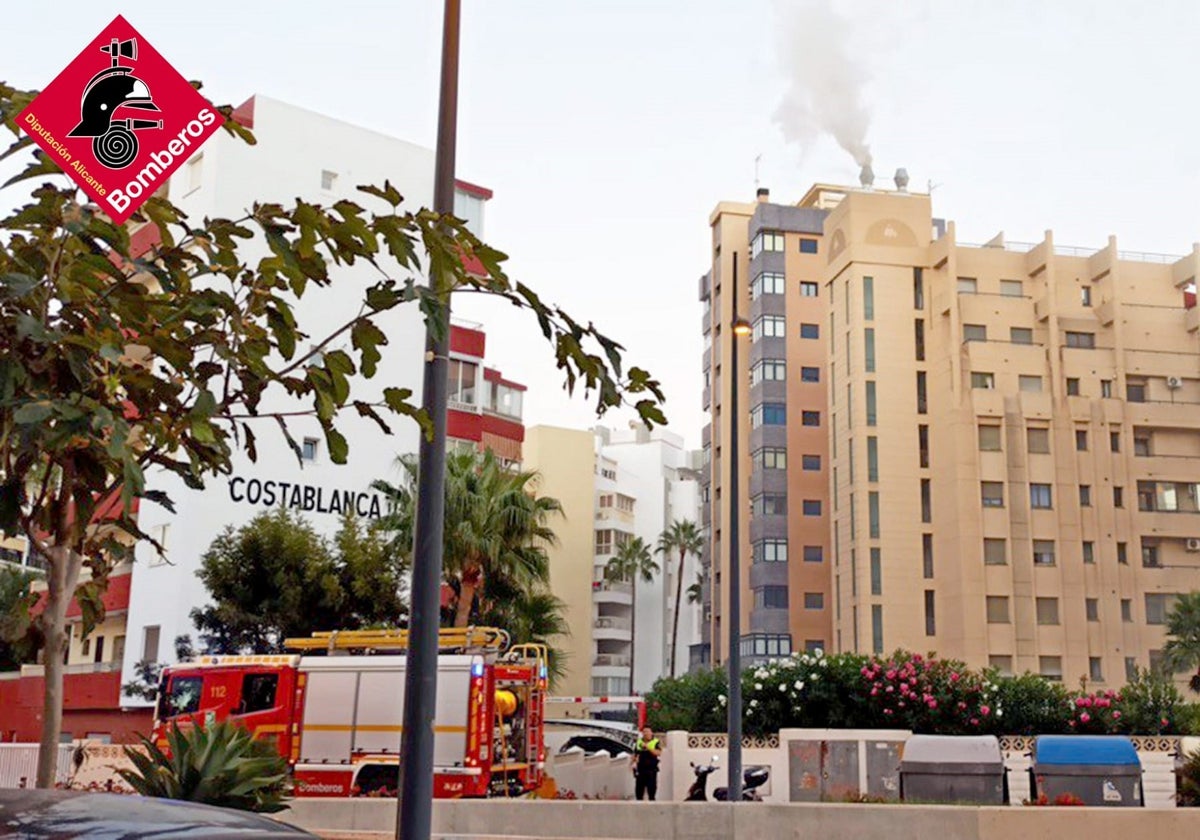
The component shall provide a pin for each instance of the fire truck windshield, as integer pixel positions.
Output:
(182, 697)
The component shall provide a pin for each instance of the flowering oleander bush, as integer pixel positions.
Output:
(920, 693)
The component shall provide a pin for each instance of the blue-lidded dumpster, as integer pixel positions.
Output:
(947, 768)
(1098, 769)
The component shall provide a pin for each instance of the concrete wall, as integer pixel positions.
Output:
(715, 821)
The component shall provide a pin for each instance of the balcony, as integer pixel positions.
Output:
(1161, 523)
(1182, 415)
(605, 592)
(613, 628)
(612, 660)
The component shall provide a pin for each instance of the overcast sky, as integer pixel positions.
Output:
(610, 128)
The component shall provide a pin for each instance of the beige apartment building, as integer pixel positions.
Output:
(1014, 441)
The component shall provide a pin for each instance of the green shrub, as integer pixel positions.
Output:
(219, 765)
(1152, 705)
(694, 702)
(1189, 781)
(1032, 706)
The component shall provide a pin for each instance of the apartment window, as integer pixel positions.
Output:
(997, 609)
(1020, 335)
(150, 636)
(1038, 441)
(877, 628)
(1085, 295)
(923, 445)
(873, 514)
(1072, 386)
(770, 504)
(771, 597)
(810, 418)
(1126, 609)
(814, 554)
(767, 283)
(768, 414)
(461, 383)
(926, 501)
(918, 288)
(771, 458)
(1050, 668)
(994, 552)
(974, 332)
(922, 397)
(1114, 441)
(871, 404)
(1119, 497)
(769, 326)
(1106, 388)
(1089, 552)
(1030, 384)
(1085, 340)
(812, 507)
(1040, 497)
(1081, 440)
(810, 330)
(868, 298)
(1043, 552)
(85, 647)
(967, 285)
(808, 246)
(989, 438)
(876, 572)
(869, 350)
(1002, 664)
(1130, 669)
(1150, 555)
(814, 600)
(930, 618)
(1122, 554)
(1047, 610)
(1012, 288)
(986, 381)
(810, 463)
(308, 449)
(846, 307)
(768, 370)
(993, 493)
(872, 458)
(328, 179)
(1085, 495)
(1158, 604)
(919, 338)
(808, 289)
(766, 240)
(772, 551)
(1135, 391)
(1141, 446)
(195, 171)
(1091, 606)
(810, 374)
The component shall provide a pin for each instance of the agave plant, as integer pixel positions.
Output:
(220, 764)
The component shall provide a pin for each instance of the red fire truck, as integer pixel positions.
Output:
(335, 713)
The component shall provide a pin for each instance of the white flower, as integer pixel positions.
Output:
(824, 662)
(753, 703)
(760, 674)
(783, 686)
(814, 677)
(999, 713)
(722, 699)
(758, 686)
(817, 652)
(799, 685)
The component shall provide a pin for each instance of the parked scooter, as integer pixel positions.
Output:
(753, 778)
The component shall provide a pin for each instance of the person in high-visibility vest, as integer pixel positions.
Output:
(645, 765)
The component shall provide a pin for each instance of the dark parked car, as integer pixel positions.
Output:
(595, 743)
(62, 814)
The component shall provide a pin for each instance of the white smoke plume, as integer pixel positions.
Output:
(825, 82)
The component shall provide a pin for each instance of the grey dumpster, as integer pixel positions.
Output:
(1098, 769)
(944, 768)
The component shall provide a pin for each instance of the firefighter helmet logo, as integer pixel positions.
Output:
(114, 89)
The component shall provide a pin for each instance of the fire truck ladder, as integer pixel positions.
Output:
(450, 640)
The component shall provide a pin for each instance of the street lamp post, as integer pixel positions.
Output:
(739, 327)
(415, 808)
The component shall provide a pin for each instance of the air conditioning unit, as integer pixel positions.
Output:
(1192, 544)
(1174, 382)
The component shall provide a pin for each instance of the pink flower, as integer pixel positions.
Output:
(1116, 715)
(874, 691)
(901, 704)
(887, 711)
(1085, 717)
(1101, 703)
(866, 672)
(932, 703)
(974, 721)
(962, 705)
(1165, 722)
(985, 711)
(891, 675)
(889, 689)
(953, 676)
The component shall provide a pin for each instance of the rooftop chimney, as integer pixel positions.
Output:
(867, 176)
(764, 195)
(901, 179)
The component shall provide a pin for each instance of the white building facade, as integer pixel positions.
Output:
(322, 160)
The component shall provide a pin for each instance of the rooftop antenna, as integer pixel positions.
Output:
(757, 161)
(932, 186)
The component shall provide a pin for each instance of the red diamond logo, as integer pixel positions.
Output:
(119, 120)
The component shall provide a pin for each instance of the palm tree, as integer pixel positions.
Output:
(1182, 650)
(495, 532)
(695, 591)
(536, 618)
(683, 536)
(631, 562)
